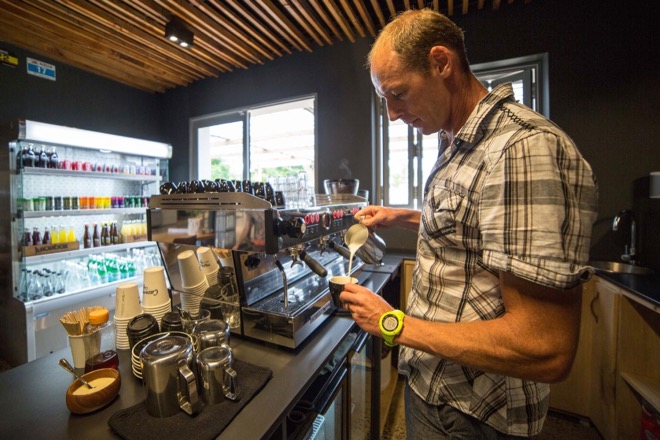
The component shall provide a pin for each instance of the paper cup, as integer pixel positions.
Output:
(337, 284)
(191, 272)
(154, 289)
(207, 260)
(127, 302)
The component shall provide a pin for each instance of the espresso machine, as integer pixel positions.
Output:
(277, 257)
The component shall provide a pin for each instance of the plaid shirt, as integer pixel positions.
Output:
(511, 193)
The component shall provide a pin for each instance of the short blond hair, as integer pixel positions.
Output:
(412, 34)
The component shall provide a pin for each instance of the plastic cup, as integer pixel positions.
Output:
(154, 289)
(127, 302)
(191, 272)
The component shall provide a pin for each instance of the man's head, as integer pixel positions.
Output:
(418, 65)
(413, 33)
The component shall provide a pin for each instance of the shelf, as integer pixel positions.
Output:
(49, 258)
(93, 174)
(645, 387)
(80, 212)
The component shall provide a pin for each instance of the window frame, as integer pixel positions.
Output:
(243, 115)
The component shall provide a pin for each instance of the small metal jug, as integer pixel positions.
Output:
(168, 378)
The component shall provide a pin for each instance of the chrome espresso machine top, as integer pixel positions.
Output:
(279, 256)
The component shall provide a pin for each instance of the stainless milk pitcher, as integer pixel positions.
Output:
(168, 378)
(373, 250)
(218, 380)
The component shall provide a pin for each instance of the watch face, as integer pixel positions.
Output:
(390, 323)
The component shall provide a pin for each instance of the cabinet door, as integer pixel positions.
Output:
(406, 281)
(572, 394)
(605, 319)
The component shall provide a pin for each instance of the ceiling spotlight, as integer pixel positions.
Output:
(177, 32)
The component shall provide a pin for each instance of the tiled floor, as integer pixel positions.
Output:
(556, 427)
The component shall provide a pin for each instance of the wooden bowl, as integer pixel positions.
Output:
(82, 400)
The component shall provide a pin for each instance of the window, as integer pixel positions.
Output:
(260, 144)
(407, 156)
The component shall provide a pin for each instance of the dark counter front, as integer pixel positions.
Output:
(32, 396)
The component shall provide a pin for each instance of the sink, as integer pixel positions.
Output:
(618, 267)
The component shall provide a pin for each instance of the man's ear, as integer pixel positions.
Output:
(440, 60)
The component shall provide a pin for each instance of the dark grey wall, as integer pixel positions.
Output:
(77, 99)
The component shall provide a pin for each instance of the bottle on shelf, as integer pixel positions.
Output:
(87, 239)
(96, 238)
(46, 238)
(114, 233)
(113, 269)
(54, 158)
(29, 157)
(105, 235)
(63, 238)
(28, 238)
(100, 346)
(43, 158)
(71, 235)
(54, 235)
(101, 270)
(36, 237)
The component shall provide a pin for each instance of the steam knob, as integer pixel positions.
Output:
(294, 228)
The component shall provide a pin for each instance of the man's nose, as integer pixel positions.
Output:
(393, 112)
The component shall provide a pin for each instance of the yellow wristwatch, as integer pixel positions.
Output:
(391, 324)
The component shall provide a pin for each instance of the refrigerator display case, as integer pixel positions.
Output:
(74, 226)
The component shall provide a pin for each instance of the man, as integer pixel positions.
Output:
(504, 231)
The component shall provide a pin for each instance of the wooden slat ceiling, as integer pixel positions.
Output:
(124, 40)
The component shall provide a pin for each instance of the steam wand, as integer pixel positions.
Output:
(285, 283)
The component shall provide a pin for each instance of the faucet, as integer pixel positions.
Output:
(629, 252)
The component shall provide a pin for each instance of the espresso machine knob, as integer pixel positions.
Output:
(294, 227)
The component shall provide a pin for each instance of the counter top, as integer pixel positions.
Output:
(32, 396)
(645, 287)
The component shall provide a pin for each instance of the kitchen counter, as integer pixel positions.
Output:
(32, 396)
(644, 288)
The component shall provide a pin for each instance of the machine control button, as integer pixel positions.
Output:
(294, 227)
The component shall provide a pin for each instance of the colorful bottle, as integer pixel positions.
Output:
(36, 237)
(54, 235)
(63, 238)
(87, 239)
(71, 236)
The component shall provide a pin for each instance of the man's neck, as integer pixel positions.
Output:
(469, 93)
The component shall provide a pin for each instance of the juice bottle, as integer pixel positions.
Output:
(71, 236)
(63, 238)
(54, 235)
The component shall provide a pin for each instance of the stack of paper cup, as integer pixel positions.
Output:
(127, 306)
(193, 281)
(155, 296)
(209, 264)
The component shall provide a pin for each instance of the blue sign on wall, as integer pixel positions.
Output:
(40, 69)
